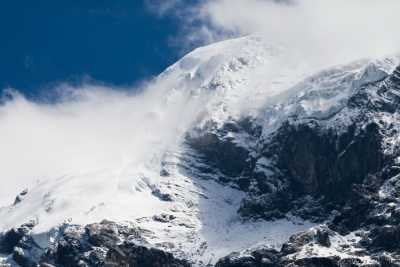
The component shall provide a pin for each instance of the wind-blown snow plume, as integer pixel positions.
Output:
(326, 32)
(91, 126)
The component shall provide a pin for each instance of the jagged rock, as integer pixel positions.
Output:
(128, 254)
(395, 215)
(386, 261)
(101, 234)
(320, 163)
(234, 260)
(258, 258)
(19, 198)
(23, 258)
(231, 160)
(99, 244)
(163, 218)
(164, 173)
(162, 196)
(309, 156)
(11, 238)
(107, 233)
(387, 237)
(323, 237)
(266, 257)
(96, 258)
(298, 240)
(23, 193)
(69, 248)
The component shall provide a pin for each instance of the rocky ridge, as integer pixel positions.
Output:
(99, 244)
(347, 166)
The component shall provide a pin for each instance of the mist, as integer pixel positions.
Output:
(323, 32)
(89, 127)
(97, 126)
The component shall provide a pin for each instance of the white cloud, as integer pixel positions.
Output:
(344, 29)
(89, 127)
(330, 31)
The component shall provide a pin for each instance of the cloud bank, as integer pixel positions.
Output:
(89, 127)
(327, 32)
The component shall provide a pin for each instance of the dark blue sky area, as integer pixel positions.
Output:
(117, 42)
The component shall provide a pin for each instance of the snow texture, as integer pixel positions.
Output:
(250, 76)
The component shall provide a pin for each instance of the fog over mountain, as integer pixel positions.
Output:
(274, 144)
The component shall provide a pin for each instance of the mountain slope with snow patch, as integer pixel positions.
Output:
(202, 148)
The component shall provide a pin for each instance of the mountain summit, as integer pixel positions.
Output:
(245, 155)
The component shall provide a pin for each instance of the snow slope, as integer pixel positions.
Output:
(250, 76)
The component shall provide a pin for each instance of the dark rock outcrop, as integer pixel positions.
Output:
(290, 251)
(297, 241)
(258, 258)
(19, 197)
(99, 244)
(128, 254)
(11, 238)
(162, 196)
(323, 237)
(225, 155)
(23, 258)
(221, 155)
(69, 249)
(107, 244)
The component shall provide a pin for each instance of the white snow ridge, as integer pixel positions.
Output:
(152, 180)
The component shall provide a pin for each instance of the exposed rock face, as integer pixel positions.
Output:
(23, 258)
(323, 237)
(69, 248)
(21, 246)
(98, 244)
(259, 258)
(317, 158)
(162, 196)
(109, 244)
(298, 252)
(297, 241)
(310, 158)
(222, 156)
(20, 196)
(130, 255)
(348, 163)
(323, 163)
(11, 238)
(108, 233)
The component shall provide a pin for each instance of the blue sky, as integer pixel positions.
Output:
(123, 42)
(117, 42)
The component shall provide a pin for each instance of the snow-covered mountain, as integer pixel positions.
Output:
(241, 145)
